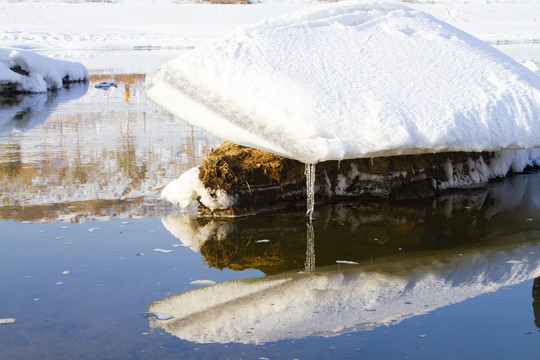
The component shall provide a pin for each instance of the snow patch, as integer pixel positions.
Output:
(23, 71)
(188, 188)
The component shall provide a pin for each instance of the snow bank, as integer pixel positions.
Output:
(23, 71)
(353, 80)
(335, 301)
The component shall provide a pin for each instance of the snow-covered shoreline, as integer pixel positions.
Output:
(161, 24)
(23, 71)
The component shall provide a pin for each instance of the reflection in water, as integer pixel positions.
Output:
(502, 212)
(107, 153)
(310, 247)
(410, 258)
(536, 301)
(24, 112)
(351, 298)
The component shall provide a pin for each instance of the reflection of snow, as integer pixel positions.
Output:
(333, 302)
(24, 112)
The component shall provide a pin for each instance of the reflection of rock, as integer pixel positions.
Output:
(336, 301)
(23, 112)
(274, 243)
(536, 301)
(255, 180)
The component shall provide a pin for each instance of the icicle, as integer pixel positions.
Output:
(310, 189)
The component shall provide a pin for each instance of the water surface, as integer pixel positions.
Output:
(80, 176)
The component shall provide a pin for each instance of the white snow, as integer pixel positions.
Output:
(43, 73)
(334, 302)
(353, 80)
(185, 190)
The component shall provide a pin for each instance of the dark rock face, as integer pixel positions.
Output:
(262, 181)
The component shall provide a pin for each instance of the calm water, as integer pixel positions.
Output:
(88, 249)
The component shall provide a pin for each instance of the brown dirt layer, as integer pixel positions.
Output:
(261, 180)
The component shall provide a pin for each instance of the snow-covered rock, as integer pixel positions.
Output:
(354, 80)
(23, 71)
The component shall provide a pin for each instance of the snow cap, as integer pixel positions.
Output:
(353, 80)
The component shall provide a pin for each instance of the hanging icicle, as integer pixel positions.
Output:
(310, 188)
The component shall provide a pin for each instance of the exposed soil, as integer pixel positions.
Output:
(262, 181)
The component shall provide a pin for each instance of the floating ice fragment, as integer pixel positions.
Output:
(529, 219)
(346, 262)
(60, 283)
(65, 272)
(93, 229)
(125, 222)
(64, 227)
(105, 85)
(7, 321)
(59, 238)
(162, 251)
(423, 336)
(36, 300)
(514, 262)
(69, 243)
(262, 241)
(203, 282)
(28, 277)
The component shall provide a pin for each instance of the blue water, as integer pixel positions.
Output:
(99, 310)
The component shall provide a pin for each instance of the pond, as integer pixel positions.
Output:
(93, 264)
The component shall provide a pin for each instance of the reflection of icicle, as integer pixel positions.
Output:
(310, 248)
(310, 195)
(310, 188)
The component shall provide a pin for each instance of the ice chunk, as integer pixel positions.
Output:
(353, 80)
(514, 262)
(346, 262)
(203, 282)
(162, 251)
(105, 85)
(7, 321)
